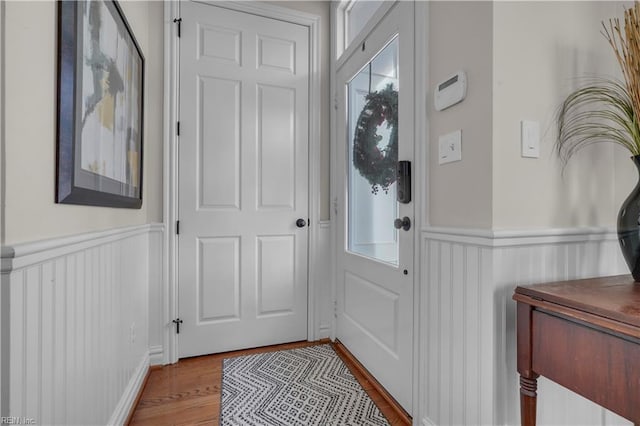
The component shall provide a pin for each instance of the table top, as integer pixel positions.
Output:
(616, 298)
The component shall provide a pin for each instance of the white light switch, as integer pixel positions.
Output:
(530, 137)
(450, 147)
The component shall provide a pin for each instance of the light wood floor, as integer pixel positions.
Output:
(188, 392)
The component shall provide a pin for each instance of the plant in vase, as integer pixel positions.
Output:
(608, 110)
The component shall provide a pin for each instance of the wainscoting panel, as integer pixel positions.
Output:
(157, 325)
(78, 309)
(468, 346)
(458, 333)
(323, 280)
(530, 264)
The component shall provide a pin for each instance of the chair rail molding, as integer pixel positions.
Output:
(23, 255)
(516, 237)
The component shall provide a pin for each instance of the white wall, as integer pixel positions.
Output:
(82, 316)
(460, 38)
(541, 50)
(30, 211)
(493, 215)
(2, 118)
(3, 294)
(521, 59)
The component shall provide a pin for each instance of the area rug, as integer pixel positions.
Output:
(306, 386)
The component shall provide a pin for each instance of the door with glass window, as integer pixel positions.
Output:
(375, 239)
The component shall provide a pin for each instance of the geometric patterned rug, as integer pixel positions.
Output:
(305, 386)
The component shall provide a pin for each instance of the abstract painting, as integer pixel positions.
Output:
(100, 106)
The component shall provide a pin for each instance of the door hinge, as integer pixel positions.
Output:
(335, 309)
(178, 128)
(179, 22)
(177, 322)
(177, 227)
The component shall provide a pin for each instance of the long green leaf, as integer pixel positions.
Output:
(601, 111)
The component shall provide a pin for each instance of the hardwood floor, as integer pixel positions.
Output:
(188, 392)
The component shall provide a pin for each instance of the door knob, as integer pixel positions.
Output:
(404, 223)
(301, 223)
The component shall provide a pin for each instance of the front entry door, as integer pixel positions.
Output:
(374, 259)
(243, 180)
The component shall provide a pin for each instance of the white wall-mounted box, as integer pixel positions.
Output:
(451, 91)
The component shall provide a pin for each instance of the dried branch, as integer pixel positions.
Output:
(607, 110)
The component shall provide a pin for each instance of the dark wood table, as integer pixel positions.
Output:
(585, 336)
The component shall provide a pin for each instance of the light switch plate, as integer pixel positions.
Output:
(450, 147)
(530, 138)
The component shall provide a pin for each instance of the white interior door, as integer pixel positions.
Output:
(243, 180)
(375, 260)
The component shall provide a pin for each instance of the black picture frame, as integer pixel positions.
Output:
(100, 110)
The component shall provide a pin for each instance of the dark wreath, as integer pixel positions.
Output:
(377, 165)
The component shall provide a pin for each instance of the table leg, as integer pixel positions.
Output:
(528, 397)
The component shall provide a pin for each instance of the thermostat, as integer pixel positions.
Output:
(451, 91)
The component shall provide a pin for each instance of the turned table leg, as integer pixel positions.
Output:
(528, 397)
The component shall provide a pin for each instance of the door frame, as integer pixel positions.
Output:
(170, 158)
(339, 54)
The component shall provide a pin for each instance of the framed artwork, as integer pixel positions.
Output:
(100, 106)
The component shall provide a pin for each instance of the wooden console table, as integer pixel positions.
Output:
(585, 336)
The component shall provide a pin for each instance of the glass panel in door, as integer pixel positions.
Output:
(373, 157)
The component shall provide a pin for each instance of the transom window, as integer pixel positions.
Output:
(351, 17)
(357, 14)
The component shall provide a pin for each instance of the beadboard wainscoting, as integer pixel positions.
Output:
(468, 349)
(157, 324)
(322, 276)
(75, 324)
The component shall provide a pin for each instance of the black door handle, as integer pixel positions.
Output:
(404, 223)
(301, 223)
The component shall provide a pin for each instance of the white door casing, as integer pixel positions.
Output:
(375, 298)
(243, 180)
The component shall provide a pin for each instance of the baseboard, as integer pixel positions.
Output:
(324, 332)
(403, 417)
(156, 355)
(131, 394)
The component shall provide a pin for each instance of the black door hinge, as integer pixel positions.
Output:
(178, 128)
(177, 227)
(179, 22)
(177, 322)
